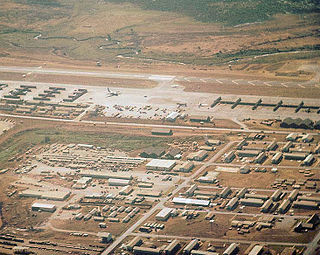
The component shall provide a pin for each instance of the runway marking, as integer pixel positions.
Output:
(284, 85)
(251, 82)
(219, 81)
(301, 86)
(203, 80)
(235, 82)
(188, 80)
(268, 84)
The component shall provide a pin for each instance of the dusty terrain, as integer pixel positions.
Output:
(64, 33)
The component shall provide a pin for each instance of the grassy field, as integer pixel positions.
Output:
(231, 12)
(24, 140)
(141, 31)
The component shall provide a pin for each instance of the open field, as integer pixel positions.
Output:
(162, 121)
(25, 140)
(63, 31)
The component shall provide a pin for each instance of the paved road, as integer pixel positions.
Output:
(312, 246)
(220, 239)
(163, 200)
(253, 214)
(257, 189)
(266, 166)
(132, 124)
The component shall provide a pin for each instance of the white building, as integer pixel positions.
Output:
(161, 165)
(164, 214)
(118, 182)
(43, 207)
(172, 116)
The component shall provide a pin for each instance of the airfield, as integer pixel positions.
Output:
(140, 163)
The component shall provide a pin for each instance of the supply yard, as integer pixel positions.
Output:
(106, 194)
(172, 127)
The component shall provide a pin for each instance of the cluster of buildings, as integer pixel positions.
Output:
(295, 148)
(42, 103)
(138, 246)
(300, 123)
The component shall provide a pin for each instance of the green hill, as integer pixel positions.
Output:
(231, 12)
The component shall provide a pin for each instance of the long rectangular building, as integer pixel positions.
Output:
(164, 214)
(146, 251)
(266, 206)
(172, 247)
(161, 165)
(284, 206)
(309, 205)
(189, 201)
(252, 202)
(45, 194)
(248, 153)
(232, 249)
(190, 246)
(105, 175)
(43, 207)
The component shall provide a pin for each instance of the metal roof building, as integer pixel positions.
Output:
(248, 153)
(232, 249)
(189, 201)
(295, 156)
(287, 146)
(266, 206)
(257, 250)
(252, 202)
(161, 164)
(43, 207)
(172, 116)
(197, 252)
(145, 251)
(276, 195)
(197, 156)
(105, 174)
(311, 198)
(190, 246)
(118, 182)
(185, 167)
(293, 195)
(164, 214)
(276, 158)
(284, 206)
(305, 205)
(229, 157)
(292, 137)
(225, 192)
(241, 193)
(137, 241)
(272, 146)
(308, 160)
(161, 131)
(46, 194)
(172, 247)
(232, 204)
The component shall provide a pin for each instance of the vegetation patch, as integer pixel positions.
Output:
(231, 12)
(21, 142)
